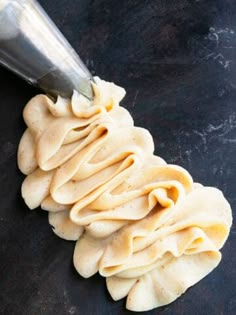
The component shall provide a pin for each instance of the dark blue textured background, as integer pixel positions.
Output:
(177, 60)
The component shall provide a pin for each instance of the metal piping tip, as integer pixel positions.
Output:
(32, 46)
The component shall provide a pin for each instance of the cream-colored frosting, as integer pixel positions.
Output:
(138, 221)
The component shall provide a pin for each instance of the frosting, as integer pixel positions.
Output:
(138, 221)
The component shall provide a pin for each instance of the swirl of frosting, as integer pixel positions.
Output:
(138, 221)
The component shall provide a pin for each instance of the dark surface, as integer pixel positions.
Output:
(177, 60)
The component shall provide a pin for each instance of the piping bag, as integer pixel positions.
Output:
(32, 46)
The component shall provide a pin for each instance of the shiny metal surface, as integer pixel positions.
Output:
(32, 46)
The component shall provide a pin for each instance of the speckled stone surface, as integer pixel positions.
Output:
(177, 60)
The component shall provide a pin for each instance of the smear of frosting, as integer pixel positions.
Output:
(138, 221)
